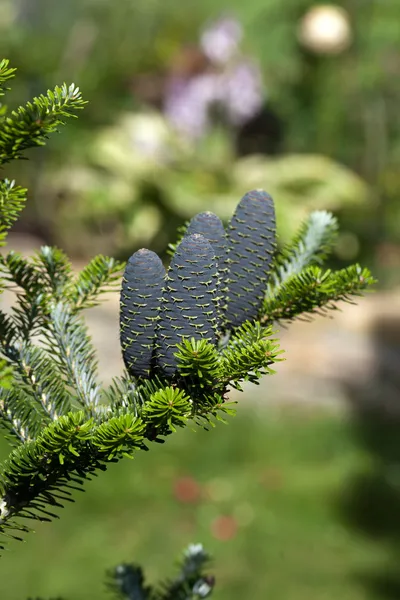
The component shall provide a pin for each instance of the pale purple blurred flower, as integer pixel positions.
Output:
(243, 95)
(220, 41)
(235, 87)
(237, 91)
(187, 103)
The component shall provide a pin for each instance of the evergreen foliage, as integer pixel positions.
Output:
(64, 426)
(127, 581)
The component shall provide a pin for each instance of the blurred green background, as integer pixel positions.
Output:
(262, 493)
(294, 500)
(121, 177)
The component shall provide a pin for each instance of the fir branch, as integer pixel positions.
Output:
(54, 271)
(29, 309)
(69, 450)
(5, 75)
(249, 354)
(312, 245)
(37, 373)
(127, 583)
(67, 340)
(98, 277)
(8, 336)
(119, 436)
(169, 407)
(314, 291)
(199, 367)
(20, 272)
(30, 125)
(16, 414)
(12, 201)
(40, 473)
(192, 583)
(122, 394)
(37, 379)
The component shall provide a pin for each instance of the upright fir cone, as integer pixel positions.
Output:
(211, 227)
(141, 293)
(251, 240)
(189, 306)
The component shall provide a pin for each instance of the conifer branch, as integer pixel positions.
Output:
(67, 341)
(314, 291)
(192, 583)
(5, 75)
(98, 277)
(311, 245)
(53, 270)
(249, 354)
(16, 414)
(127, 581)
(41, 472)
(12, 201)
(30, 125)
(39, 377)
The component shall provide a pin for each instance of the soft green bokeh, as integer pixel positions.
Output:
(280, 475)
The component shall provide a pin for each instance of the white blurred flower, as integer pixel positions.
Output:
(148, 135)
(325, 29)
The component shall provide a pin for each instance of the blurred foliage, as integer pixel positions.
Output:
(138, 182)
(260, 494)
(344, 107)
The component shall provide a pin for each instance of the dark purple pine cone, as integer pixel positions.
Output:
(211, 227)
(251, 246)
(141, 293)
(189, 306)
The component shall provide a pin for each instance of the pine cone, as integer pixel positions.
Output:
(141, 293)
(211, 227)
(189, 306)
(251, 244)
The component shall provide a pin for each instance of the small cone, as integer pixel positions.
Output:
(211, 227)
(141, 292)
(251, 240)
(189, 306)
